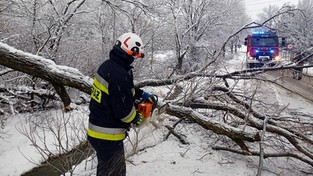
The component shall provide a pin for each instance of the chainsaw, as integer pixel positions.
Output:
(150, 112)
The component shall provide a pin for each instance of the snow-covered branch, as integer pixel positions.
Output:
(5, 71)
(213, 125)
(43, 68)
(38, 66)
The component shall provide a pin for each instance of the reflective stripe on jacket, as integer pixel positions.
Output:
(101, 85)
(112, 134)
(112, 104)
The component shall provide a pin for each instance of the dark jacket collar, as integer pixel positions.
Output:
(121, 58)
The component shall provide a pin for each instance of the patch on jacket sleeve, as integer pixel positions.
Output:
(96, 94)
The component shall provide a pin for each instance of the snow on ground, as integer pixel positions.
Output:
(292, 101)
(237, 63)
(172, 158)
(13, 147)
(159, 157)
(282, 96)
(17, 154)
(156, 157)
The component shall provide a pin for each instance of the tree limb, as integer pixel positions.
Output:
(45, 69)
(5, 71)
(266, 155)
(210, 124)
(172, 131)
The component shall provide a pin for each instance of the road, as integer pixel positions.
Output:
(303, 87)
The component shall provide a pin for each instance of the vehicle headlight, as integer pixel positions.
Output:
(277, 58)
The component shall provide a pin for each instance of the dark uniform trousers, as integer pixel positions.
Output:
(111, 157)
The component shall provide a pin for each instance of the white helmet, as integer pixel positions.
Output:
(132, 44)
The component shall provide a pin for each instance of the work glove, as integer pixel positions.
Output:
(149, 97)
(138, 119)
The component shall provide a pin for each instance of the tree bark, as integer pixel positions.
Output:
(59, 76)
(213, 125)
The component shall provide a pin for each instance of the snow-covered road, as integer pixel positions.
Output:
(160, 157)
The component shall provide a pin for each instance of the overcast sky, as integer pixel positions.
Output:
(256, 6)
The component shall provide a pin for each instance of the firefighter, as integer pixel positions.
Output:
(112, 105)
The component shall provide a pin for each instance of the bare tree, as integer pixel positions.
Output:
(60, 142)
(229, 104)
(197, 26)
(240, 110)
(297, 27)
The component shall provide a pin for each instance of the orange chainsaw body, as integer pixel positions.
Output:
(145, 109)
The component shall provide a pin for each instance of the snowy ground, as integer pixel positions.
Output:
(17, 154)
(170, 157)
(157, 157)
(12, 148)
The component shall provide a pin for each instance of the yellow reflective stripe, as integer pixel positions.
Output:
(103, 136)
(106, 130)
(100, 83)
(133, 91)
(130, 117)
(106, 133)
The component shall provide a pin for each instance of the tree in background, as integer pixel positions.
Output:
(230, 105)
(266, 14)
(200, 28)
(298, 28)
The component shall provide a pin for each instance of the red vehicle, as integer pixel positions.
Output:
(262, 49)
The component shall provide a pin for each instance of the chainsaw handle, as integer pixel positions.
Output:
(156, 99)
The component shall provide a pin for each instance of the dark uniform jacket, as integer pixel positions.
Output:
(112, 105)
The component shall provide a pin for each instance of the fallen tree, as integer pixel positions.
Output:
(241, 121)
(58, 75)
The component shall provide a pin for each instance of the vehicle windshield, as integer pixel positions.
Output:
(264, 41)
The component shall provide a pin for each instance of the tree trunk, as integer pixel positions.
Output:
(37, 66)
